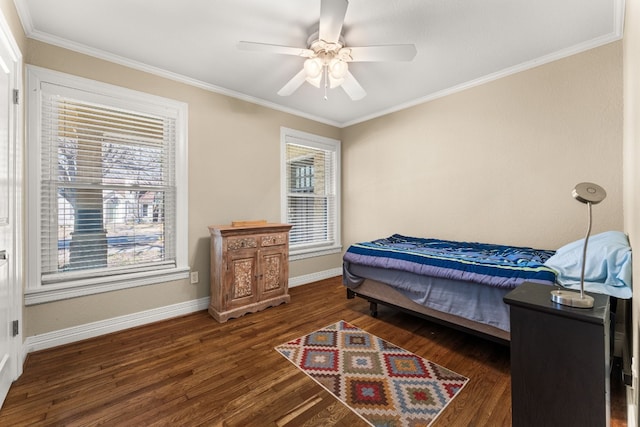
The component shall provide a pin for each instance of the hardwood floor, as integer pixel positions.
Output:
(194, 371)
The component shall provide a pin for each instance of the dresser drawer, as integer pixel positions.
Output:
(273, 239)
(236, 243)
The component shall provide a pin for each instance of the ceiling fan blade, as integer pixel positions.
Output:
(274, 48)
(293, 84)
(396, 52)
(332, 13)
(352, 87)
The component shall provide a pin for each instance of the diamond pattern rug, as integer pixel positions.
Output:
(383, 383)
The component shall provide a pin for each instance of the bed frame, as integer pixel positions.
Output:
(376, 292)
(380, 293)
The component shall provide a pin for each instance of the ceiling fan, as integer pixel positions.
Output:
(328, 56)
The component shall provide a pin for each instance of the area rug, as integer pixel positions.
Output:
(381, 382)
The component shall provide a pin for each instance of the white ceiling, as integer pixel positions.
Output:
(460, 43)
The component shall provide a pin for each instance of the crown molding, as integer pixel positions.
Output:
(555, 56)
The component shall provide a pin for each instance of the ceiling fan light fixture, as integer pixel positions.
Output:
(313, 68)
(327, 55)
(338, 68)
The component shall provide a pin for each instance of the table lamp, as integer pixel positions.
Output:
(590, 194)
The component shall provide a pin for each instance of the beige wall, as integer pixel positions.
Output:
(10, 14)
(234, 173)
(632, 161)
(494, 163)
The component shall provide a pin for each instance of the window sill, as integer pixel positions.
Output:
(297, 254)
(80, 288)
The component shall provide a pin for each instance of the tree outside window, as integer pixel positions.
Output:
(108, 187)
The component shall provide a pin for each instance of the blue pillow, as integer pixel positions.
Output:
(607, 269)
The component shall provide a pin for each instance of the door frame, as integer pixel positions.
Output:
(16, 186)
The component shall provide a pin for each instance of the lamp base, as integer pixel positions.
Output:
(571, 298)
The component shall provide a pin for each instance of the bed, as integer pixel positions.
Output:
(462, 284)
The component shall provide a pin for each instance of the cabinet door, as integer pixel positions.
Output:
(273, 272)
(240, 284)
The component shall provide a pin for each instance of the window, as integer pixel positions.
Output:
(310, 192)
(107, 184)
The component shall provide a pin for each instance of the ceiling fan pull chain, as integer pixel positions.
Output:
(326, 80)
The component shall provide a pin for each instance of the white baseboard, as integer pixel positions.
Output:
(314, 277)
(632, 408)
(101, 327)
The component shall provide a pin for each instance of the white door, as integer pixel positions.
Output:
(9, 284)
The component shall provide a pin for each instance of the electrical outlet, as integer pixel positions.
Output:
(194, 277)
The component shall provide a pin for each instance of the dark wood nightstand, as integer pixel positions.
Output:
(559, 360)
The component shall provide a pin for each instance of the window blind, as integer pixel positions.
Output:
(311, 194)
(108, 190)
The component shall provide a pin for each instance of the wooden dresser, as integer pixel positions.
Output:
(249, 268)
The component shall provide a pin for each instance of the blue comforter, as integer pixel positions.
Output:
(493, 265)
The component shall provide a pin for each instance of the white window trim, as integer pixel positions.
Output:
(322, 143)
(36, 292)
